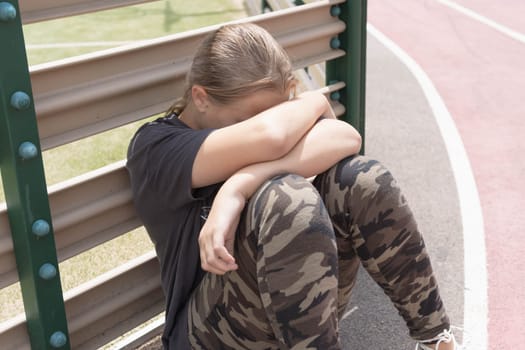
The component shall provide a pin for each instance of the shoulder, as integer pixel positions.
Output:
(161, 155)
(167, 135)
(156, 131)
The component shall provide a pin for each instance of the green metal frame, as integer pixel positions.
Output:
(351, 68)
(26, 191)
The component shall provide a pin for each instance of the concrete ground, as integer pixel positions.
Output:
(402, 133)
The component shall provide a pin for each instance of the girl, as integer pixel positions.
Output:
(253, 255)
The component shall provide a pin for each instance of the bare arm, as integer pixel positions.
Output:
(267, 136)
(324, 145)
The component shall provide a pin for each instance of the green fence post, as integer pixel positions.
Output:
(265, 6)
(351, 68)
(26, 192)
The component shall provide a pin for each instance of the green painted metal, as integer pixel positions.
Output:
(351, 68)
(265, 6)
(26, 192)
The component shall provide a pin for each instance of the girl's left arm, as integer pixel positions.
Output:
(327, 142)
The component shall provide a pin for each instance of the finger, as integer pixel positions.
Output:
(229, 260)
(204, 262)
(213, 261)
(218, 263)
(223, 254)
(208, 267)
(207, 255)
(217, 268)
(221, 250)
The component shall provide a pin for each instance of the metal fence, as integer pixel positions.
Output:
(62, 102)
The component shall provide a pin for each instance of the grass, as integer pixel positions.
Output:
(131, 23)
(125, 24)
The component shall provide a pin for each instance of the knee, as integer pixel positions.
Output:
(285, 193)
(289, 203)
(375, 179)
(357, 185)
(363, 175)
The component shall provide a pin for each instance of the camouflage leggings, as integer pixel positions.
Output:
(299, 247)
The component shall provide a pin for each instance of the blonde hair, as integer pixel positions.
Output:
(235, 61)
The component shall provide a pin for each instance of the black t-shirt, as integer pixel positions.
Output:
(160, 161)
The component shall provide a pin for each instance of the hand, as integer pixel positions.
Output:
(328, 111)
(217, 236)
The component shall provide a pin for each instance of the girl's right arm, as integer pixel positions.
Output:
(324, 145)
(267, 136)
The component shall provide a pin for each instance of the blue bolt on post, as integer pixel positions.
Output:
(351, 68)
(7, 12)
(26, 193)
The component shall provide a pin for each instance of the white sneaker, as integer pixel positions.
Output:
(444, 337)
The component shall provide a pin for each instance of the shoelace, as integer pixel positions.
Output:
(444, 337)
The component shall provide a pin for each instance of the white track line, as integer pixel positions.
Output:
(349, 312)
(487, 21)
(475, 274)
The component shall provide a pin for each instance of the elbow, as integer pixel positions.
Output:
(351, 138)
(356, 141)
(274, 141)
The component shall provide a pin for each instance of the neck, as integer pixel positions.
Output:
(191, 117)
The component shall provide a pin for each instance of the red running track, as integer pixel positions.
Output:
(480, 74)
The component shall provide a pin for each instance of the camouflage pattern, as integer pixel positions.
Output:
(374, 225)
(298, 248)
